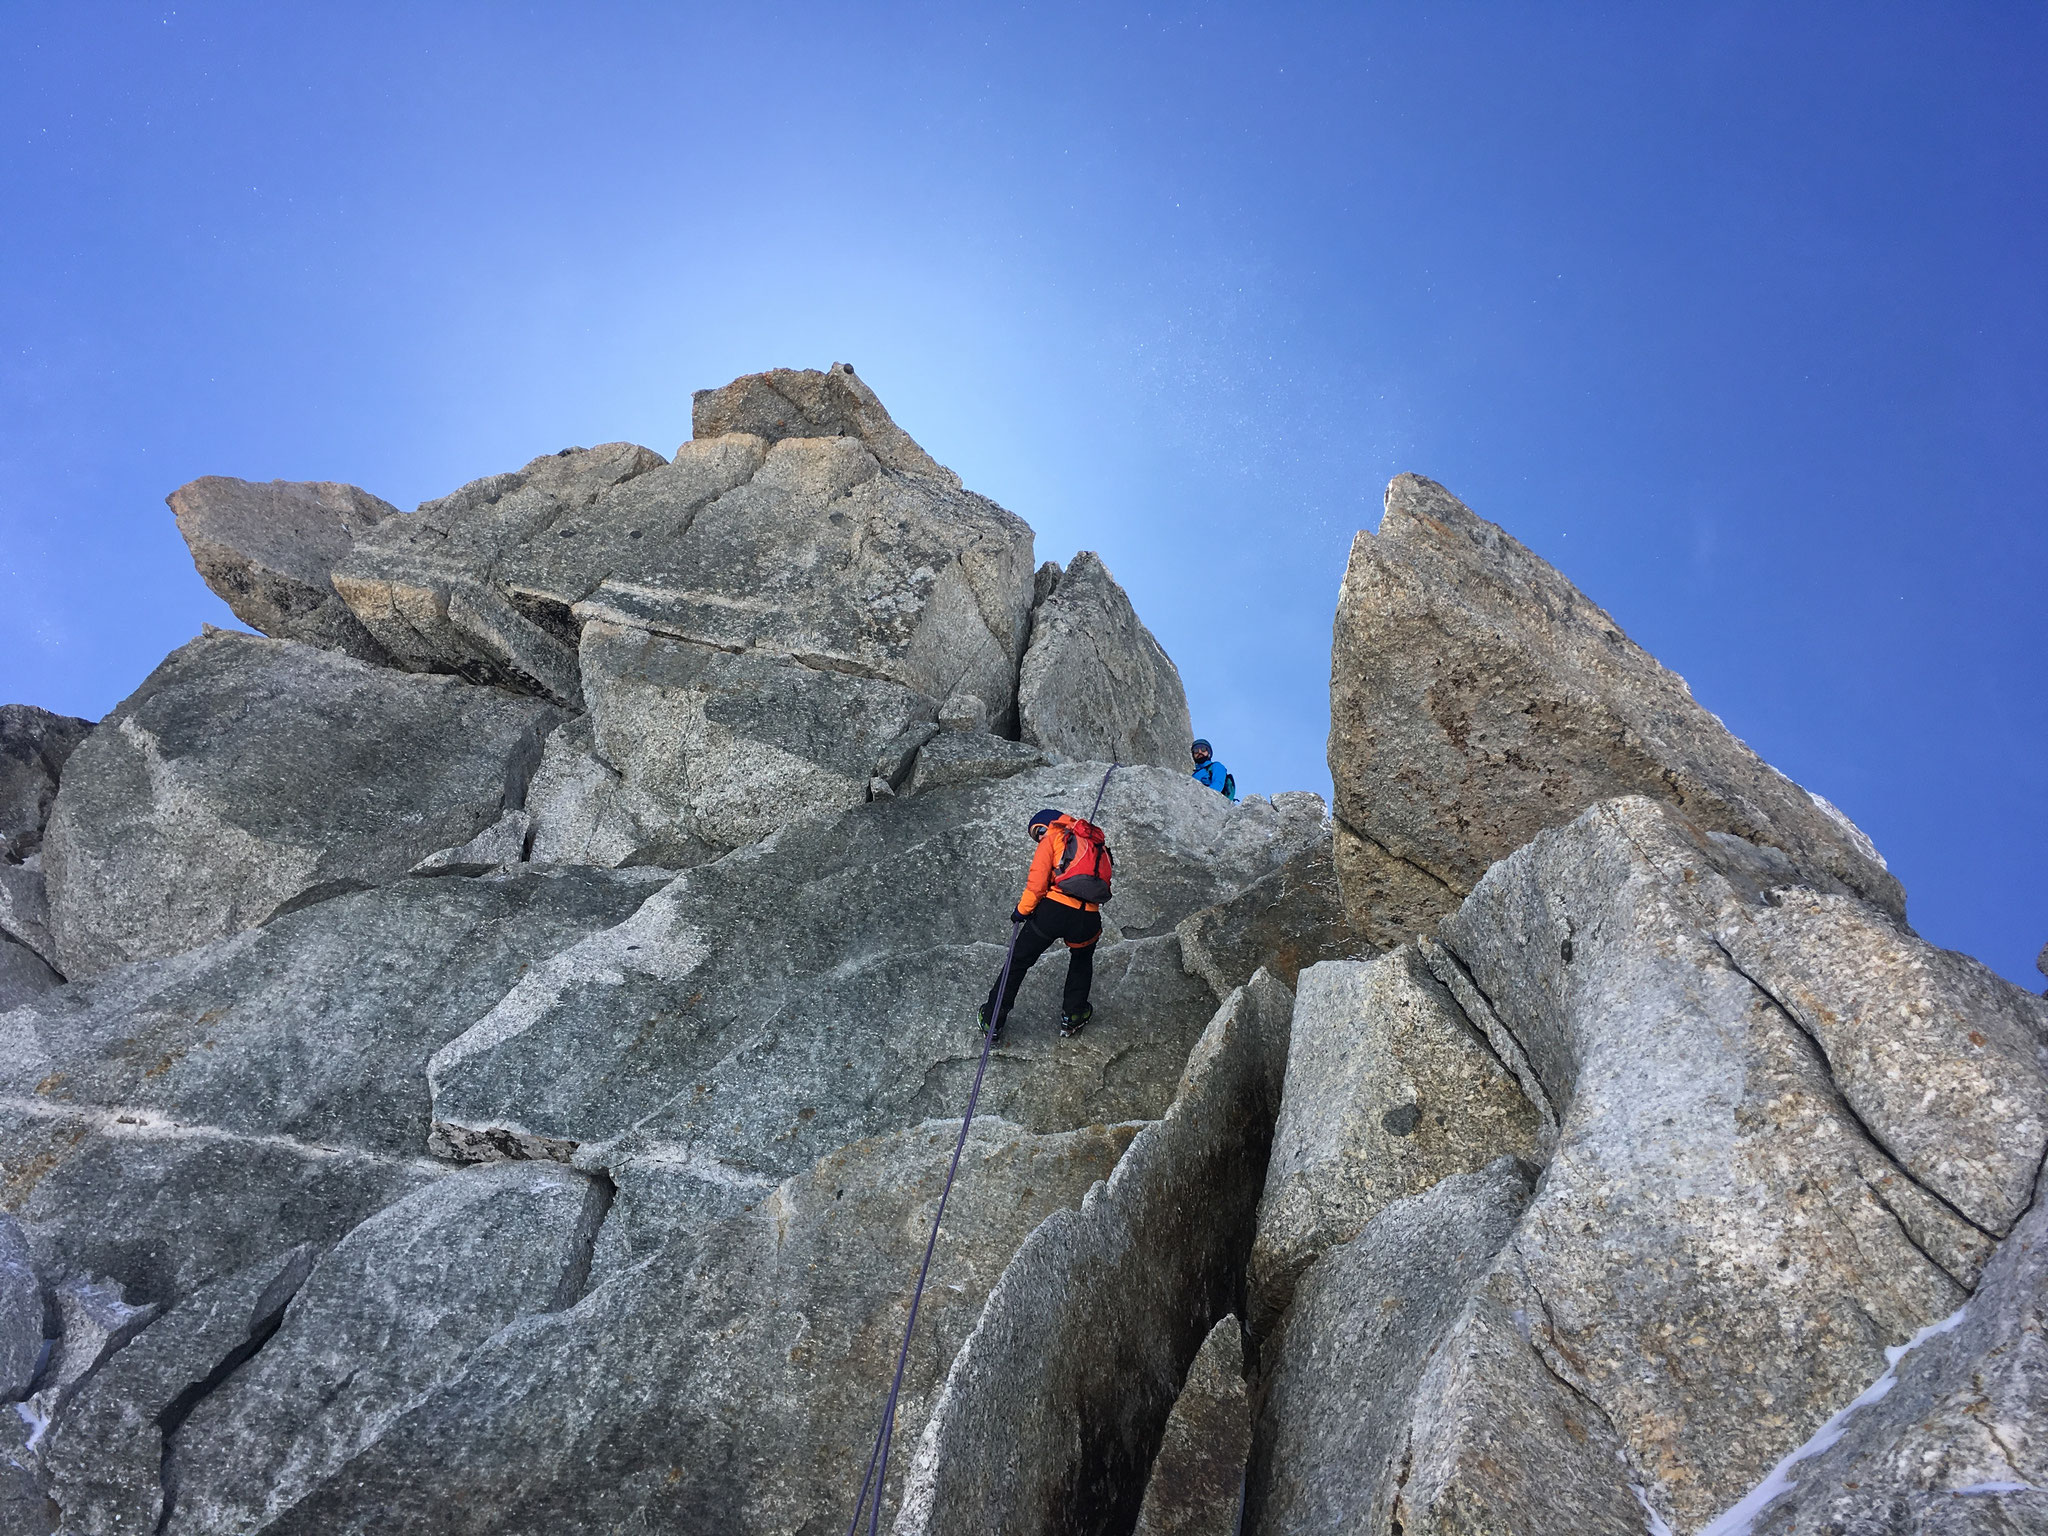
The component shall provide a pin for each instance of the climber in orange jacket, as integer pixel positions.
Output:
(1048, 916)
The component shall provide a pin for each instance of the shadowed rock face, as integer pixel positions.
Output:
(730, 1382)
(245, 774)
(1059, 1399)
(1476, 698)
(34, 747)
(424, 584)
(1341, 1375)
(269, 552)
(1390, 1090)
(1095, 684)
(1198, 1476)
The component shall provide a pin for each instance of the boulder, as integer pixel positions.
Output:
(245, 775)
(821, 985)
(730, 1382)
(24, 976)
(1057, 1403)
(826, 559)
(423, 584)
(1722, 1250)
(1953, 1437)
(1197, 1480)
(1095, 685)
(1476, 698)
(960, 757)
(396, 1310)
(25, 907)
(1340, 1377)
(1286, 921)
(1390, 1090)
(34, 747)
(21, 1314)
(269, 551)
(722, 749)
(181, 1119)
(107, 1459)
(802, 402)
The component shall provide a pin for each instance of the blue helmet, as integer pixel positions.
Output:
(1202, 749)
(1044, 818)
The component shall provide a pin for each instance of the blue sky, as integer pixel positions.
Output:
(1736, 313)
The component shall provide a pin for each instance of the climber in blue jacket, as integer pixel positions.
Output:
(1212, 773)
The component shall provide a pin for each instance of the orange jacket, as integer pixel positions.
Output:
(1038, 883)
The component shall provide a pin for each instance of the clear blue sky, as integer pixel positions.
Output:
(1734, 312)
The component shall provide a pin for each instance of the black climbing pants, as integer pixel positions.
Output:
(1049, 922)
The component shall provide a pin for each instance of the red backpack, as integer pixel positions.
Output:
(1085, 866)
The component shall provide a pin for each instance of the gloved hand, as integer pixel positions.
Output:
(1019, 917)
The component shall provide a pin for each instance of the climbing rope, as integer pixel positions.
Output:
(878, 1459)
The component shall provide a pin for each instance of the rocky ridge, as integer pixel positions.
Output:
(482, 1054)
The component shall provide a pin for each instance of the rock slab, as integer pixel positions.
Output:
(1341, 1375)
(1720, 1252)
(1197, 1482)
(1477, 697)
(1095, 685)
(247, 774)
(269, 552)
(1390, 1090)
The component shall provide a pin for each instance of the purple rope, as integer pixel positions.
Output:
(878, 1459)
(877, 1473)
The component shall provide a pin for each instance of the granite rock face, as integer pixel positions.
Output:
(422, 583)
(1341, 1376)
(24, 976)
(961, 757)
(395, 1310)
(21, 1314)
(34, 747)
(1390, 1090)
(25, 907)
(825, 559)
(1291, 919)
(179, 1120)
(723, 749)
(1949, 1438)
(803, 402)
(1059, 1399)
(106, 1458)
(1476, 698)
(1720, 1252)
(821, 985)
(1197, 1478)
(269, 552)
(248, 774)
(1095, 685)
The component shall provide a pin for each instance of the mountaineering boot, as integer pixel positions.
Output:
(981, 1015)
(1073, 1023)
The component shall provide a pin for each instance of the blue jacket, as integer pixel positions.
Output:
(1213, 773)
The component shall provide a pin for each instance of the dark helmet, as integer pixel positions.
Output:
(1202, 749)
(1040, 820)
